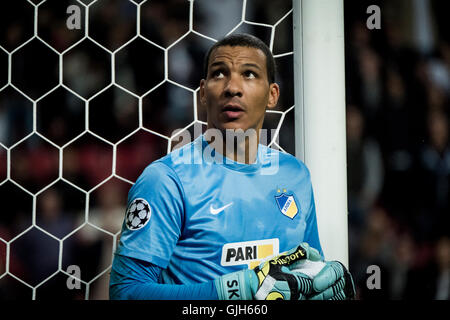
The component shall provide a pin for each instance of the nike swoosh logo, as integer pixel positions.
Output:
(218, 210)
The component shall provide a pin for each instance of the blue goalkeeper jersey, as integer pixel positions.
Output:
(199, 215)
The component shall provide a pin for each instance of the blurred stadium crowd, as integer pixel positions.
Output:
(398, 90)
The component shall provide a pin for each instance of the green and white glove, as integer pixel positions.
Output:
(333, 282)
(331, 279)
(271, 280)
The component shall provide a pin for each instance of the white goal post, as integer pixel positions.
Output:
(320, 138)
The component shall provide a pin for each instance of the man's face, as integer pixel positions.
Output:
(236, 91)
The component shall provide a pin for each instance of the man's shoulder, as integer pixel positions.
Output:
(178, 156)
(185, 154)
(285, 159)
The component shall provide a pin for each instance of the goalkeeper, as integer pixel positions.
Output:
(197, 229)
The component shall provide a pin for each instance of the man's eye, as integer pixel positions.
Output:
(250, 74)
(218, 74)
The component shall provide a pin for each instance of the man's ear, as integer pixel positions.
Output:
(274, 94)
(202, 91)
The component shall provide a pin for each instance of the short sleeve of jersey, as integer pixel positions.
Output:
(312, 232)
(150, 234)
(311, 235)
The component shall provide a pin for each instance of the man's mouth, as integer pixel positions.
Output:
(232, 111)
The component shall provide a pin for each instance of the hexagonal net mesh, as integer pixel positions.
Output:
(90, 94)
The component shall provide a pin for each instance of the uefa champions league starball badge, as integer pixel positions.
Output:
(138, 214)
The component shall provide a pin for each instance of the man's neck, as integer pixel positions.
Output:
(236, 145)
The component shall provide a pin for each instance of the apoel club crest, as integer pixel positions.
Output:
(287, 205)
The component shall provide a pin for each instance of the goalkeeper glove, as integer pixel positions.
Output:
(333, 282)
(270, 280)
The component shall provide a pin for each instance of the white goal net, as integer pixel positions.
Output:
(91, 92)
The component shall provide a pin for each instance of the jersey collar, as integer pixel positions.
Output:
(219, 159)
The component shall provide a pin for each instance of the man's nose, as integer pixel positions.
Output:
(233, 87)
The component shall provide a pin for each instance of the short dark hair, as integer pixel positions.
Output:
(244, 40)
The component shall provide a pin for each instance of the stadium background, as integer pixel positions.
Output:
(63, 188)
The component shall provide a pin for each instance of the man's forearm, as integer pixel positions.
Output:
(132, 279)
